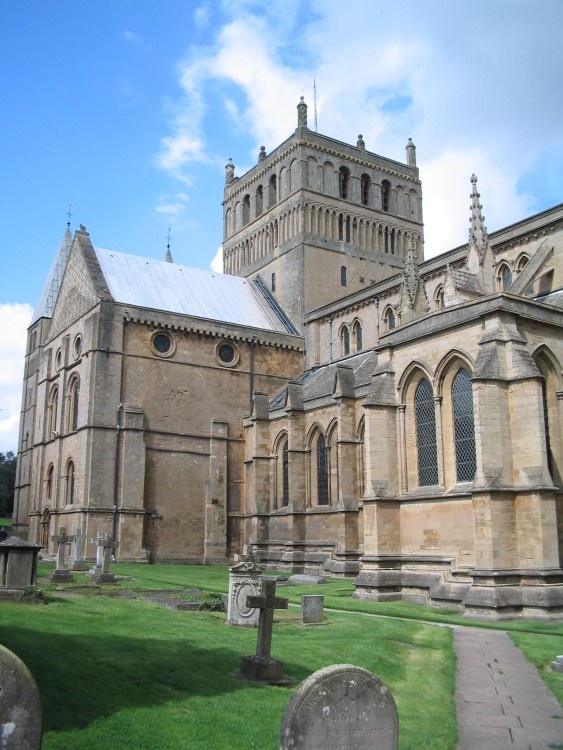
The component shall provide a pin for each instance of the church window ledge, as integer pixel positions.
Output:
(227, 354)
(162, 344)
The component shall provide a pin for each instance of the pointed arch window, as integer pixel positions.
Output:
(390, 321)
(322, 471)
(357, 333)
(464, 427)
(69, 483)
(439, 298)
(72, 404)
(345, 336)
(426, 434)
(285, 475)
(504, 277)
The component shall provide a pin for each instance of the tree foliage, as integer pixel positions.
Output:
(7, 482)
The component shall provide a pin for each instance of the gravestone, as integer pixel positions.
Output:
(77, 560)
(104, 575)
(341, 707)
(61, 572)
(20, 705)
(312, 606)
(245, 579)
(557, 664)
(261, 667)
(98, 541)
(18, 565)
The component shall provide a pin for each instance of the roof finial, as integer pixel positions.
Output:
(478, 236)
(168, 256)
(411, 153)
(302, 113)
(69, 214)
(229, 171)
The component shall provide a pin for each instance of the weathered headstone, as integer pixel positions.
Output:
(261, 667)
(557, 664)
(77, 560)
(18, 565)
(244, 580)
(61, 572)
(104, 575)
(312, 606)
(20, 705)
(98, 541)
(341, 707)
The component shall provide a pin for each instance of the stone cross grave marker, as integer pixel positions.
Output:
(341, 707)
(108, 545)
(78, 560)
(61, 573)
(312, 609)
(20, 705)
(261, 667)
(99, 552)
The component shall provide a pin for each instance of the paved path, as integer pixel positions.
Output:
(501, 701)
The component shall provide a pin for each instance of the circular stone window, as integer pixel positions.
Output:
(227, 354)
(162, 344)
(77, 347)
(58, 359)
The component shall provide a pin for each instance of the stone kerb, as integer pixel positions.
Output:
(20, 705)
(341, 707)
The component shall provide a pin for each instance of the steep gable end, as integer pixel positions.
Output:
(83, 285)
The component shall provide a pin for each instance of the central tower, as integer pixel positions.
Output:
(318, 219)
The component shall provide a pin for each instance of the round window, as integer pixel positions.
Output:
(227, 354)
(163, 344)
(58, 359)
(77, 347)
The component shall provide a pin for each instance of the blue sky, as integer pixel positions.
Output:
(129, 110)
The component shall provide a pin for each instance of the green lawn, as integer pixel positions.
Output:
(126, 672)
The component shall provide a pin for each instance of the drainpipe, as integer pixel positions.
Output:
(117, 469)
(251, 347)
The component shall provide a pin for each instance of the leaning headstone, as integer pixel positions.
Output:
(61, 572)
(105, 575)
(261, 667)
(77, 560)
(244, 580)
(20, 705)
(341, 707)
(312, 606)
(557, 664)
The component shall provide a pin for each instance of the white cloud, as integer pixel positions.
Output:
(475, 96)
(217, 262)
(14, 321)
(173, 207)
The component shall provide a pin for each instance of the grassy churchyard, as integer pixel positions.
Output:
(124, 672)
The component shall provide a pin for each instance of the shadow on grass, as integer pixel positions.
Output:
(82, 678)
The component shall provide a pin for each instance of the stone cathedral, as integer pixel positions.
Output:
(333, 398)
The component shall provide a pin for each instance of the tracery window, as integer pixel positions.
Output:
(427, 453)
(464, 427)
(322, 471)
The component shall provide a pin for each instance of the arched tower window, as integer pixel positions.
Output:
(50, 482)
(385, 195)
(426, 434)
(272, 191)
(245, 210)
(439, 298)
(72, 404)
(322, 471)
(344, 182)
(69, 483)
(464, 428)
(343, 279)
(259, 200)
(366, 189)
